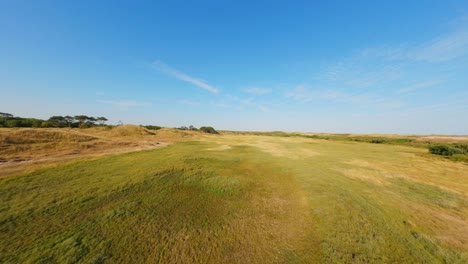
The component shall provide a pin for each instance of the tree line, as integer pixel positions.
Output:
(78, 121)
(206, 129)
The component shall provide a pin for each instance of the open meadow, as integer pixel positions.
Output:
(132, 195)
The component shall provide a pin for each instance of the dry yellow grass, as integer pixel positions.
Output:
(234, 198)
(25, 149)
(433, 139)
(278, 147)
(391, 169)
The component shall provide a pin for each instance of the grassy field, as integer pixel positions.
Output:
(235, 198)
(26, 149)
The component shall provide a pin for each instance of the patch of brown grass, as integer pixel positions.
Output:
(24, 149)
(442, 139)
(277, 147)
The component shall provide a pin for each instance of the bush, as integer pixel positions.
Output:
(209, 130)
(86, 125)
(446, 150)
(463, 147)
(150, 127)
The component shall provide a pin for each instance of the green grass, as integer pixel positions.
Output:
(461, 156)
(188, 203)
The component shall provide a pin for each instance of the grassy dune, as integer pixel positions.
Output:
(26, 149)
(241, 199)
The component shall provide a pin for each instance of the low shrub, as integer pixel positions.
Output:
(151, 127)
(209, 130)
(447, 150)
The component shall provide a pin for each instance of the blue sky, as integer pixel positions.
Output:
(312, 66)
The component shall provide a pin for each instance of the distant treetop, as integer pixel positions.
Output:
(6, 115)
(82, 121)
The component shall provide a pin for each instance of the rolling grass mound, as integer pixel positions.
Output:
(32, 136)
(128, 131)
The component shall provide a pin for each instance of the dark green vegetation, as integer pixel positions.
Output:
(205, 129)
(449, 150)
(456, 152)
(151, 127)
(8, 120)
(240, 199)
(209, 130)
(81, 121)
(191, 127)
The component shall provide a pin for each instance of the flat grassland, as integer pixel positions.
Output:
(184, 197)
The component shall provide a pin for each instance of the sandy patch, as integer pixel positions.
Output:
(220, 148)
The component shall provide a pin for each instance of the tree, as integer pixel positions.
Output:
(6, 115)
(101, 120)
(81, 119)
(69, 120)
(192, 127)
(57, 121)
(91, 120)
(4, 118)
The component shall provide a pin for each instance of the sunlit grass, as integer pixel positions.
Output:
(255, 199)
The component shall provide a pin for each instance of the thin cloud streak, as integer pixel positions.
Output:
(418, 86)
(164, 68)
(451, 46)
(445, 48)
(302, 94)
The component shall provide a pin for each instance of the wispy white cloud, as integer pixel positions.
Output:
(258, 91)
(380, 68)
(388, 53)
(123, 103)
(452, 45)
(418, 86)
(166, 69)
(448, 47)
(362, 70)
(248, 101)
(302, 93)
